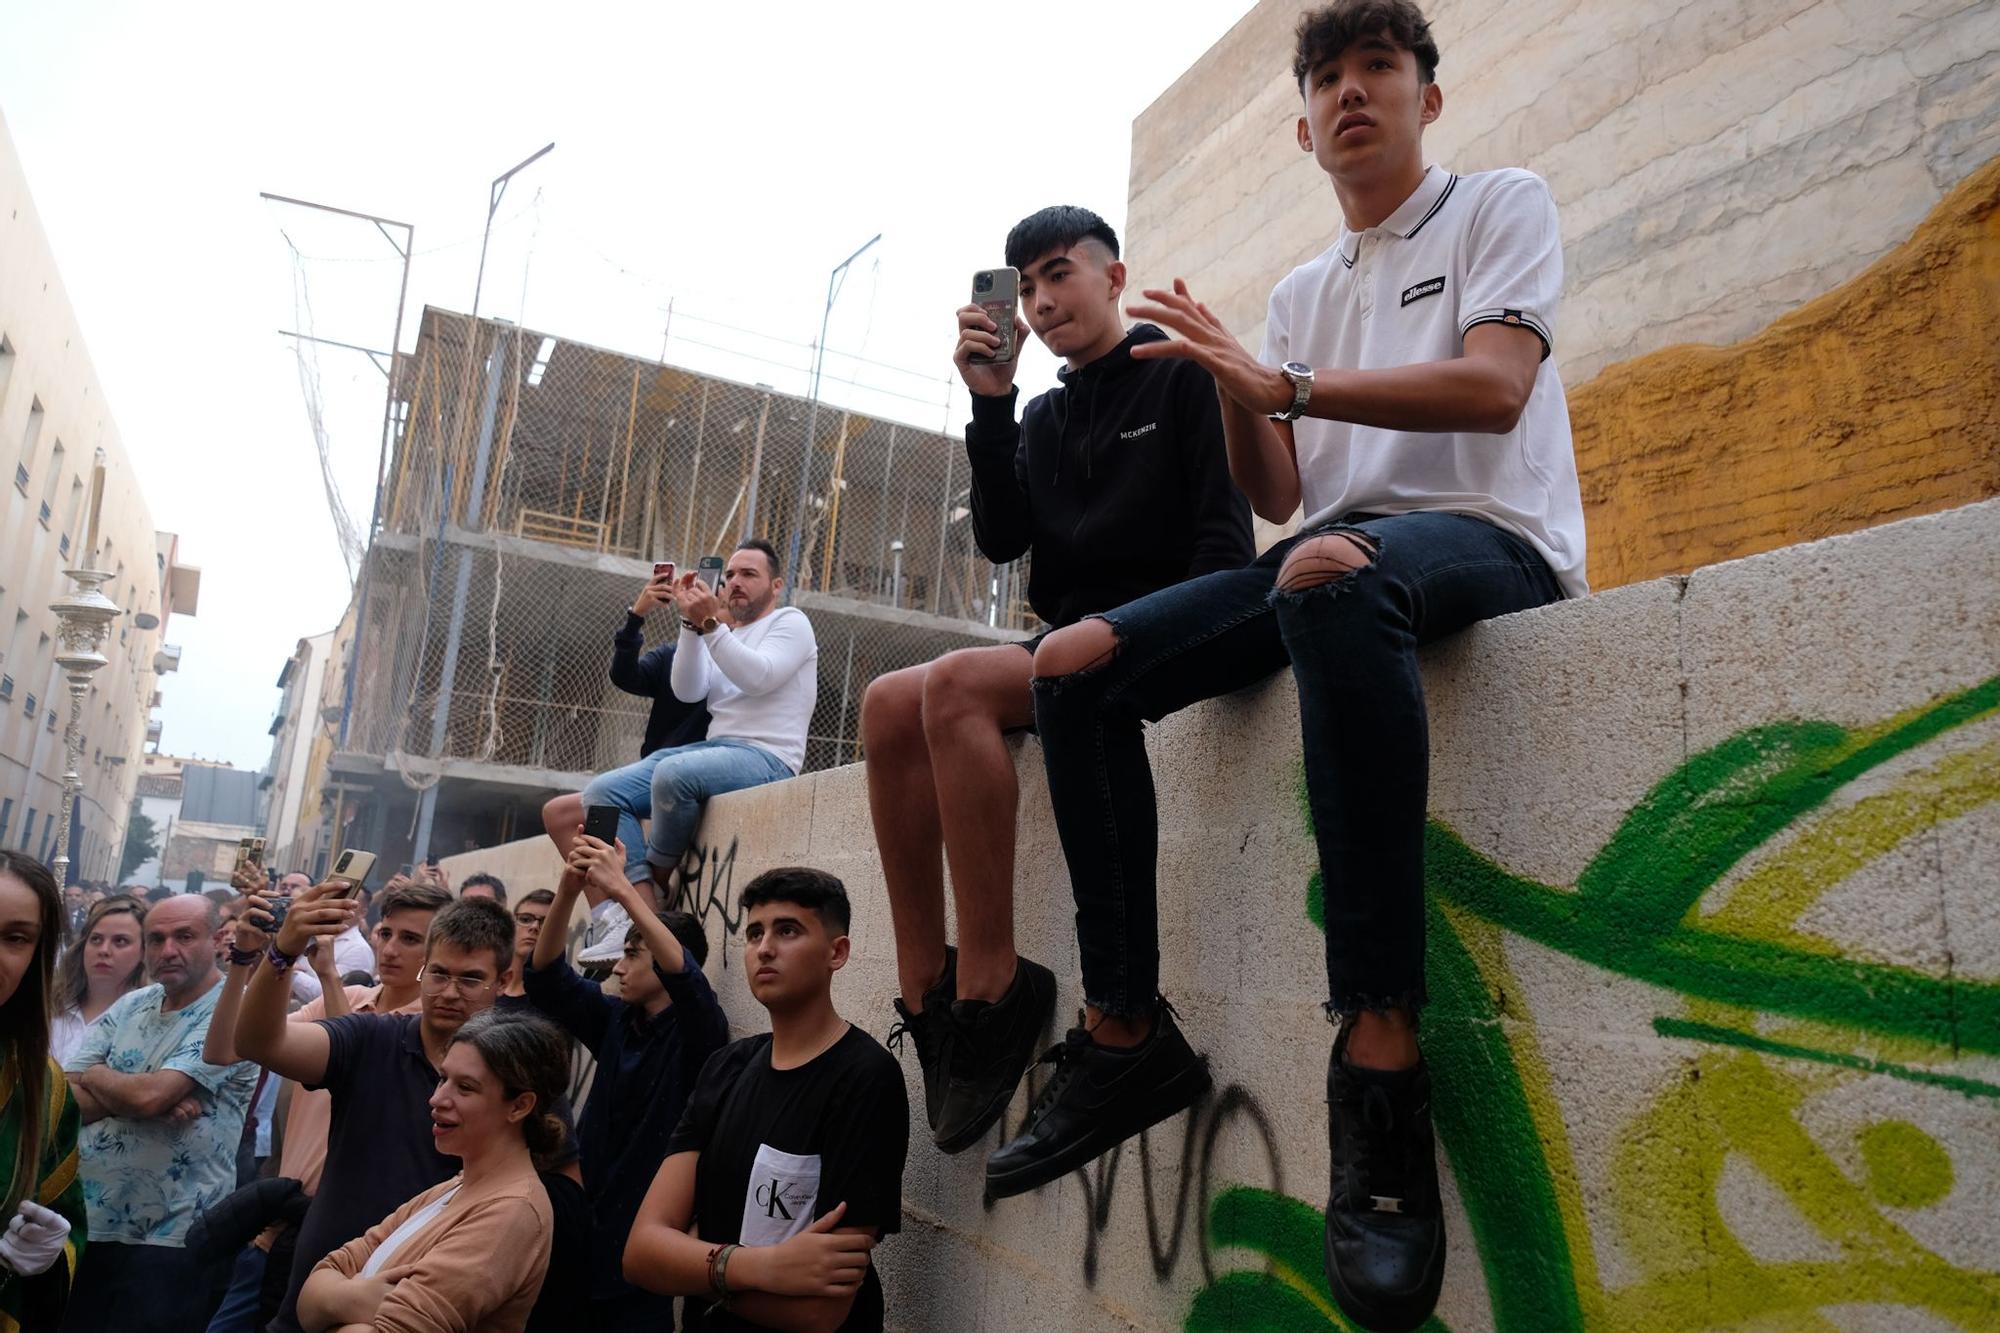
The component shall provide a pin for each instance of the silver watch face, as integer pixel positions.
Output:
(1297, 368)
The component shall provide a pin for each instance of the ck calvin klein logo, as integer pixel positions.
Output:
(1428, 287)
(1150, 426)
(778, 1198)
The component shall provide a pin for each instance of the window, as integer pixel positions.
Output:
(48, 833)
(52, 719)
(49, 481)
(28, 830)
(43, 517)
(75, 504)
(6, 818)
(6, 373)
(29, 443)
(29, 709)
(62, 545)
(6, 690)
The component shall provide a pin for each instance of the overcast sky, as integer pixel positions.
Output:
(721, 157)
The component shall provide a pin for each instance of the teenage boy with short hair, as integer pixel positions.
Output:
(380, 1068)
(650, 1044)
(1118, 482)
(1439, 488)
(788, 1166)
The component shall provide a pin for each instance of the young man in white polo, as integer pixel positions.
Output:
(1406, 403)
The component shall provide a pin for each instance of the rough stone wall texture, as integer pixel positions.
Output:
(1714, 950)
(1718, 163)
(1876, 401)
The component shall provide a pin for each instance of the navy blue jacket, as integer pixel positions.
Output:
(672, 722)
(646, 1067)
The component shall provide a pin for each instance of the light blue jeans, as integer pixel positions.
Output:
(670, 786)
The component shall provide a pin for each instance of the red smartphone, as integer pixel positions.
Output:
(663, 567)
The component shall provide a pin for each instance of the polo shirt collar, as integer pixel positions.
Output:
(1409, 217)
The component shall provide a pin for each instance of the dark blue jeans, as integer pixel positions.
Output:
(1352, 646)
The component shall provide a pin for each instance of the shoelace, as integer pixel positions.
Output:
(1063, 1055)
(1376, 1151)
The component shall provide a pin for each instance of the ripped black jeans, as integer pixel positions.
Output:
(1352, 645)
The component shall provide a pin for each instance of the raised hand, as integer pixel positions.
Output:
(320, 912)
(1205, 341)
(978, 335)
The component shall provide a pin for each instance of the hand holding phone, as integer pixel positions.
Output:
(989, 332)
(659, 589)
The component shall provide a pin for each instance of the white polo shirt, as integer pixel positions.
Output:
(1462, 250)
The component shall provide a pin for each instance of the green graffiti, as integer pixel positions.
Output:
(1635, 912)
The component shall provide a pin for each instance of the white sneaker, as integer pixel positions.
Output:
(604, 937)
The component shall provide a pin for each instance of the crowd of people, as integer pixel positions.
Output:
(302, 1106)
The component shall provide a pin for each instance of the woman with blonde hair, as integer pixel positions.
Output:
(107, 961)
(469, 1254)
(42, 1197)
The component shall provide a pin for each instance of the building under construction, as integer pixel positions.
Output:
(530, 483)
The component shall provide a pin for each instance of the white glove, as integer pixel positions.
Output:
(34, 1239)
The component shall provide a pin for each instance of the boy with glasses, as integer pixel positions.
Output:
(380, 1068)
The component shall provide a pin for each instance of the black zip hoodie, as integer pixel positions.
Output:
(1116, 479)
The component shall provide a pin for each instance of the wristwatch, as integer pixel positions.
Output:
(708, 623)
(1301, 376)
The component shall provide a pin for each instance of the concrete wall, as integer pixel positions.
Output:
(1715, 952)
(1719, 164)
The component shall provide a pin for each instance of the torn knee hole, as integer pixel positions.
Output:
(1082, 648)
(1329, 558)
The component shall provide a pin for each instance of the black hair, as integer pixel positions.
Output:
(24, 1028)
(824, 894)
(492, 882)
(360, 976)
(526, 1053)
(1056, 228)
(1324, 33)
(686, 928)
(474, 924)
(759, 544)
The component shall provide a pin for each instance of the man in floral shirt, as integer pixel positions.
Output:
(161, 1128)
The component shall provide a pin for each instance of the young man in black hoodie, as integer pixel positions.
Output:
(1118, 482)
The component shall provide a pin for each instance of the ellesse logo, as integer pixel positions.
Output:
(1428, 287)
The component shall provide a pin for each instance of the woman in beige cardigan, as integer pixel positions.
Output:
(467, 1256)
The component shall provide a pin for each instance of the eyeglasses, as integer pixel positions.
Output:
(436, 980)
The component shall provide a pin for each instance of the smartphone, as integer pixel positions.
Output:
(997, 291)
(242, 855)
(663, 568)
(256, 851)
(351, 869)
(601, 823)
(710, 570)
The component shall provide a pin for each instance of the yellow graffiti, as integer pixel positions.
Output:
(1667, 1179)
(1770, 899)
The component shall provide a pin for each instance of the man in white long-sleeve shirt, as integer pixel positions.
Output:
(759, 676)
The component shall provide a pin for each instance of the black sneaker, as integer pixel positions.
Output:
(931, 1031)
(992, 1044)
(1097, 1098)
(1384, 1226)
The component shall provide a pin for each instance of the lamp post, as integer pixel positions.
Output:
(834, 281)
(82, 620)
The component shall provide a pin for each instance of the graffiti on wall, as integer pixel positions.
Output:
(1772, 1017)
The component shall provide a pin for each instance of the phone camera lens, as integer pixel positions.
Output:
(983, 283)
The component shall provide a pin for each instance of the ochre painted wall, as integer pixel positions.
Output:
(1876, 401)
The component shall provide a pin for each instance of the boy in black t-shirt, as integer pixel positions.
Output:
(789, 1160)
